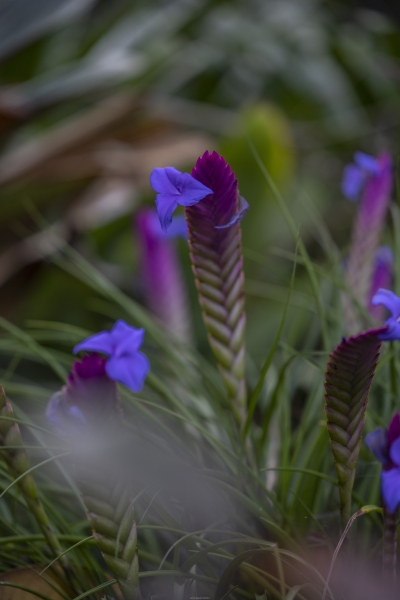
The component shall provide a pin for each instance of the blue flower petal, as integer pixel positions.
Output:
(392, 332)
(166, 181)
(390, 487)
(178, 228)
(130, 344)
(367, 162)
(165, 207)
(242, 210)
(192, 191)
(123, 333)
(100, 342)
(352, 182)
(389, 300)
(130, 370)
(395, 452)
(377, 442)
(175, 188)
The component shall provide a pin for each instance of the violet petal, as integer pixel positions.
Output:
(395, 452)
(390, 487)
(367, 162)
(352, 182)
(166, 180)
(389, 300)
(100, 342)
(242, 210)
(130, 370)
(377, 442)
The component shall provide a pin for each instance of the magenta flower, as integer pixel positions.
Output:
(175, 188)
(160, 272)
(392, 303)
(90, 397)
(126, 364)
(385, 444)
(372, 180)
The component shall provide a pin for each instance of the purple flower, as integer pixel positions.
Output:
(385, 444)
(160, 271)
(376, 187)
(355, 175)
(175, 188)
(90, 397)
(392, 303)
(126, 364)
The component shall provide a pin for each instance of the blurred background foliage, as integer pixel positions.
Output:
(96, 93)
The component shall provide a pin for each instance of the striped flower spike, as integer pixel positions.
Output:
(348, 378)
(213, 210)
(369, 180)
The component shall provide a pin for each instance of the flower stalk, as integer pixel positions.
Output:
(389, 545)
(372, 180)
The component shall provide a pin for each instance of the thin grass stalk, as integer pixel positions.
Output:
(17, 463)
(389, 545)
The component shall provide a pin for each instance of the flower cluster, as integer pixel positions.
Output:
(175, 188)
(364, 169)
(385, 444)
(90, 395)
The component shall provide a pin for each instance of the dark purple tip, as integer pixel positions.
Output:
(394, 429)
(218, 208)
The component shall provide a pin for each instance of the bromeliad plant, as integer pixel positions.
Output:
(253, 535)
(86, 411)
(349, 374)
(213, 210)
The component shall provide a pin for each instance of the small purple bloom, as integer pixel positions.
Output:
(385, 444)
(356, 175)
(392, 303)
(175, 188)
(126, 364)
(89, 398)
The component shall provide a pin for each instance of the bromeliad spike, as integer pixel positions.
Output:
(217, 262)
(348, 378)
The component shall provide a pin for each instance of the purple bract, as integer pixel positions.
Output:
(160, 271)
(126, 364)
(385, 444)
(89, 398)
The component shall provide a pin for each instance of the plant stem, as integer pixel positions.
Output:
(389, 548)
